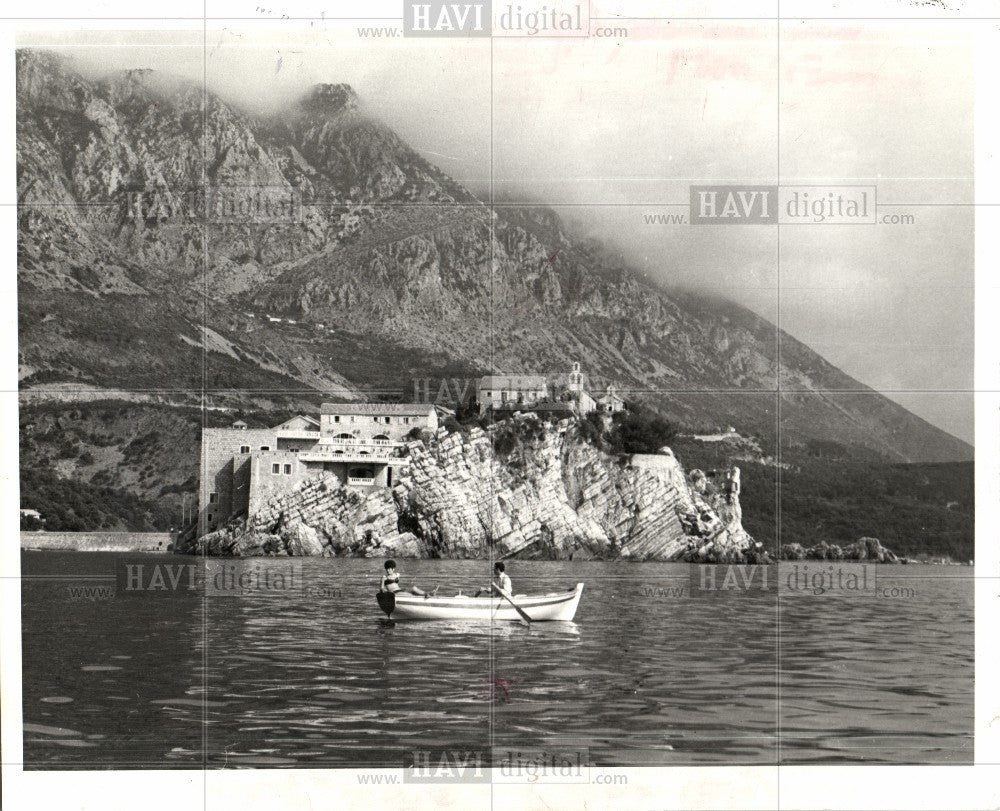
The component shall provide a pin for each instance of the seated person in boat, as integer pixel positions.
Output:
(390, 582)
(502, 580)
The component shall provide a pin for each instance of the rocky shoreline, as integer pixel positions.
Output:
(867, 549)
(552, 495)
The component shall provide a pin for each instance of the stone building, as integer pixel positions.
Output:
(574, 387)
(567, 392)
(360, 443)
(610, 402)
(496, 392)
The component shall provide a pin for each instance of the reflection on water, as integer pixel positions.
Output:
(643, 677)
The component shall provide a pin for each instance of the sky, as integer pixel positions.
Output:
(608, 132)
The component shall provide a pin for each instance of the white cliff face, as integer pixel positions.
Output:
(524, 488)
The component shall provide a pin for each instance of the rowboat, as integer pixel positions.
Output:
(559, 605)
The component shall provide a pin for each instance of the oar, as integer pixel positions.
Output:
(517, 608)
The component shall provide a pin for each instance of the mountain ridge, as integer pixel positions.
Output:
(408, 273)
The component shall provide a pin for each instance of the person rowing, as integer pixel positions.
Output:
(502, 586)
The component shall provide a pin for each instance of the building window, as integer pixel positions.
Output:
(387, 419)
(288, 470)
(375, 419)
(276, 468)
(244, 449)
(336, 417)
(406, 420)
(213, 497)
(210, 518)
(265, 447)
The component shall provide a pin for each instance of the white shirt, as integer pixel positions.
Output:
(504, 582)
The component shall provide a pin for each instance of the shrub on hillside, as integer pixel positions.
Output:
(30, 524)
(504, 442)
(592, 429)
(640, 430)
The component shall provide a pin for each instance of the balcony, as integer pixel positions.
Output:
(355, 442)
(357, 481)
(299, 433)
(354, 453)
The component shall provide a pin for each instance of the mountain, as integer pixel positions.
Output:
(382, 270)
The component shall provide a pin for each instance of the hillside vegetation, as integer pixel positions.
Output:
(115, 465)
(913, 509)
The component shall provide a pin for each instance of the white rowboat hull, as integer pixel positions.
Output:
(560, 606)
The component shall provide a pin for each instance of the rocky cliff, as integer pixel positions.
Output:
(550, 494)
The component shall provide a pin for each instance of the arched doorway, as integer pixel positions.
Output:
(363, 476)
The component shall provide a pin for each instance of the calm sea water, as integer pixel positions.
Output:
(648, 674)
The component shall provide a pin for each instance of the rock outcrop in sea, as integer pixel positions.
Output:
(868, 549)
(551, 494)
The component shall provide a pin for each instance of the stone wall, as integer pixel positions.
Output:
(98, 541)
(219, 446)
(265, 485)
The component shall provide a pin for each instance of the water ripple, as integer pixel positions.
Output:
(635, 680)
